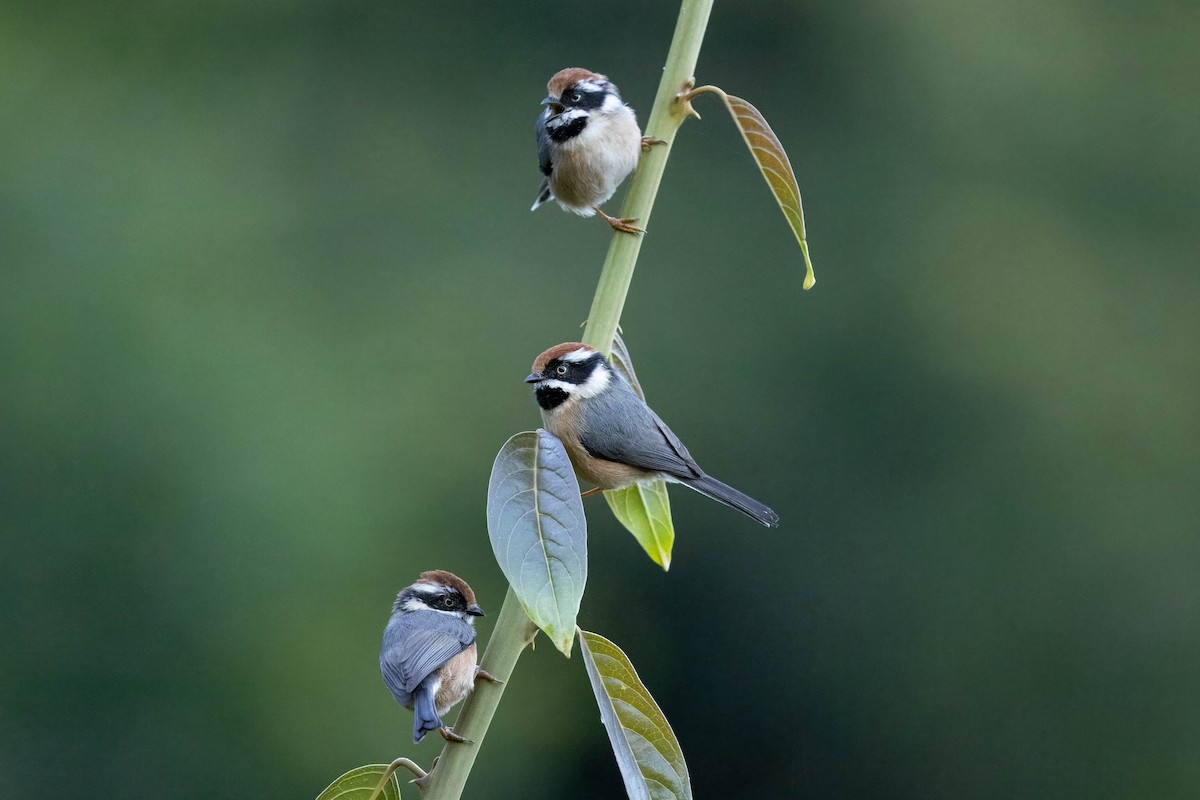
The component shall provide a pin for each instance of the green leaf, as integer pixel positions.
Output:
(644, 509)
(358, 784)
(538, 531)
(647, 751)
(623, 364)
(773, 162)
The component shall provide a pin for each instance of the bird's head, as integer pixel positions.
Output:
(440, 591)
(569, 370)
(577, 92)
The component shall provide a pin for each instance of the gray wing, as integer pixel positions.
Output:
(416, 644)
(619, 426)
(545, 164)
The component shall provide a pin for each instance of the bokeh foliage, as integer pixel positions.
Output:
(268, 288)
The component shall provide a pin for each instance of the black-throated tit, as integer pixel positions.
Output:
(612, 437)
(588, 142)
(428, 655)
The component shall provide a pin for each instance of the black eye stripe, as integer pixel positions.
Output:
(576, 371)
(587, 100)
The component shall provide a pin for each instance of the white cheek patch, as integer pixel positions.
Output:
(596, 383)
(554, 383)
(566, 117)
(582, 354)
(611, 103)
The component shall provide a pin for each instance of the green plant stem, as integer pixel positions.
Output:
(512, 634)
(668, 114)
(514, 631)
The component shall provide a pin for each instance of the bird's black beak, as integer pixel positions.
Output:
(556, 107)
(475, 611)
(534, 377)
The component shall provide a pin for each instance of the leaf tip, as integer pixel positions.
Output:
(810, 279)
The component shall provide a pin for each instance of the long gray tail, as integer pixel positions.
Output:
(709, 486)
(425, 716)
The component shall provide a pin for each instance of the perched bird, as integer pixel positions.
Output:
(612, 437)
(588, 142)
(428, 654)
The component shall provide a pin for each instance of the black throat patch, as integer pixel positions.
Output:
(568, 130)
(550, 397)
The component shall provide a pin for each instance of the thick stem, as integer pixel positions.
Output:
(665, 118)
(512, 634)
(514, 631)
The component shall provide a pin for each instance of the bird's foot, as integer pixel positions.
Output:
(624, 225)
(483, 674)
(450, 736)
(650, 141)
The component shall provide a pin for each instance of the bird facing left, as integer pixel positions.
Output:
(428, 658)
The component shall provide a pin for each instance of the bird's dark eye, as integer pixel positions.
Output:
(576, 97)
(448, 602)
(562, 369)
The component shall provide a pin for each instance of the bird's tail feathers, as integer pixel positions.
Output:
(711, 487)
(544, 195)
(425, 716)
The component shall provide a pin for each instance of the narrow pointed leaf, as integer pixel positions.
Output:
(623, 364)
(647, 751)
(538, 531)
(644, 509)
(773, 162)
(358, 784)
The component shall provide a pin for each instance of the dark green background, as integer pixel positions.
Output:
(269, 285)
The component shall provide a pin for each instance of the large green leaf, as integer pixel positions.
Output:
(644, 509)
(772, 162)
(358, 784)
(647, 751)
(538, 531)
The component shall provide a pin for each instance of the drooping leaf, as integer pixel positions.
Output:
(538, 531)
(773, 162)
(647, 751)
(644, 509)
(358, 784)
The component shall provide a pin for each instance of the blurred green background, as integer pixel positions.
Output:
(269, 285)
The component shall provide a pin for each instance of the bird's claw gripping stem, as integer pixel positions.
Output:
(483, 674)
(450, 736)
(623, 225)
